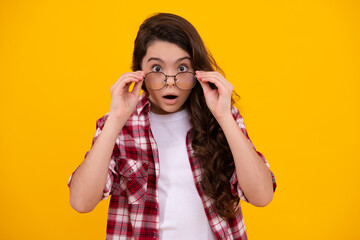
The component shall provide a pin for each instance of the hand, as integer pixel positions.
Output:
(123, 102)
(218, 100)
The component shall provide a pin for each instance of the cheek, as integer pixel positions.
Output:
(153, 96)
(187, 95)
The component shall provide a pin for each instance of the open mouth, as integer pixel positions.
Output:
(170, 96)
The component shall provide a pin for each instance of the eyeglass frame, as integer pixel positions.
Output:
(166, 77)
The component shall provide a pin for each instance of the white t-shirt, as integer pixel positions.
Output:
(182, 214)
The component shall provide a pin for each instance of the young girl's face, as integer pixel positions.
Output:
(170, 59)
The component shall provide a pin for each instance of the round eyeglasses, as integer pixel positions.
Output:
(157, 80)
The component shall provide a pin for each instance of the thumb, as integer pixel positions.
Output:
(205, 86)
(137, 88)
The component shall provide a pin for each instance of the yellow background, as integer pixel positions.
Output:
(295, 65)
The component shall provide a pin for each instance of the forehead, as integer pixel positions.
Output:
(166, 51)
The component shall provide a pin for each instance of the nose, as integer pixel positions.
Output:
(170, 80)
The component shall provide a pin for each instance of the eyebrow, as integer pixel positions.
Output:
(162, 61)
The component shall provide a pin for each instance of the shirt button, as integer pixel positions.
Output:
(211, 210)
(131, 171)
(222, 236)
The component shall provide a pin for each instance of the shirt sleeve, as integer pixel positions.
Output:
(111, 171)
(235, 186)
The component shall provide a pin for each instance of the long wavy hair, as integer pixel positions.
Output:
(208, 140)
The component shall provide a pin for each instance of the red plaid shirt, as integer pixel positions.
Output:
(132, 182)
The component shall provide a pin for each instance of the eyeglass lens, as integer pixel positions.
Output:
(157, 80)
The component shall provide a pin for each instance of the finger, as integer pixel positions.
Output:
(140, 71)
(132, 75)
(218, 76)
(222, 88)
(206, 87)
(137, 88)
(125, 84)
(139, 75)
(218, 82)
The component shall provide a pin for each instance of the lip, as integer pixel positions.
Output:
(170, 101)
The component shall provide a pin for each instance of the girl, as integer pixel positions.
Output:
(176, 160)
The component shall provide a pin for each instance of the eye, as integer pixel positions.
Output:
(156, 68)
(182, 68)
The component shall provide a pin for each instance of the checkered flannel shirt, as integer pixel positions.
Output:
(132, 182)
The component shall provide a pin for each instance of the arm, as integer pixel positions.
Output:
(88, 182)
(253, 175)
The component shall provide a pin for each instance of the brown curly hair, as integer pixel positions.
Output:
(208, 140)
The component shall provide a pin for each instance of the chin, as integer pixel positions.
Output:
(167, 109)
